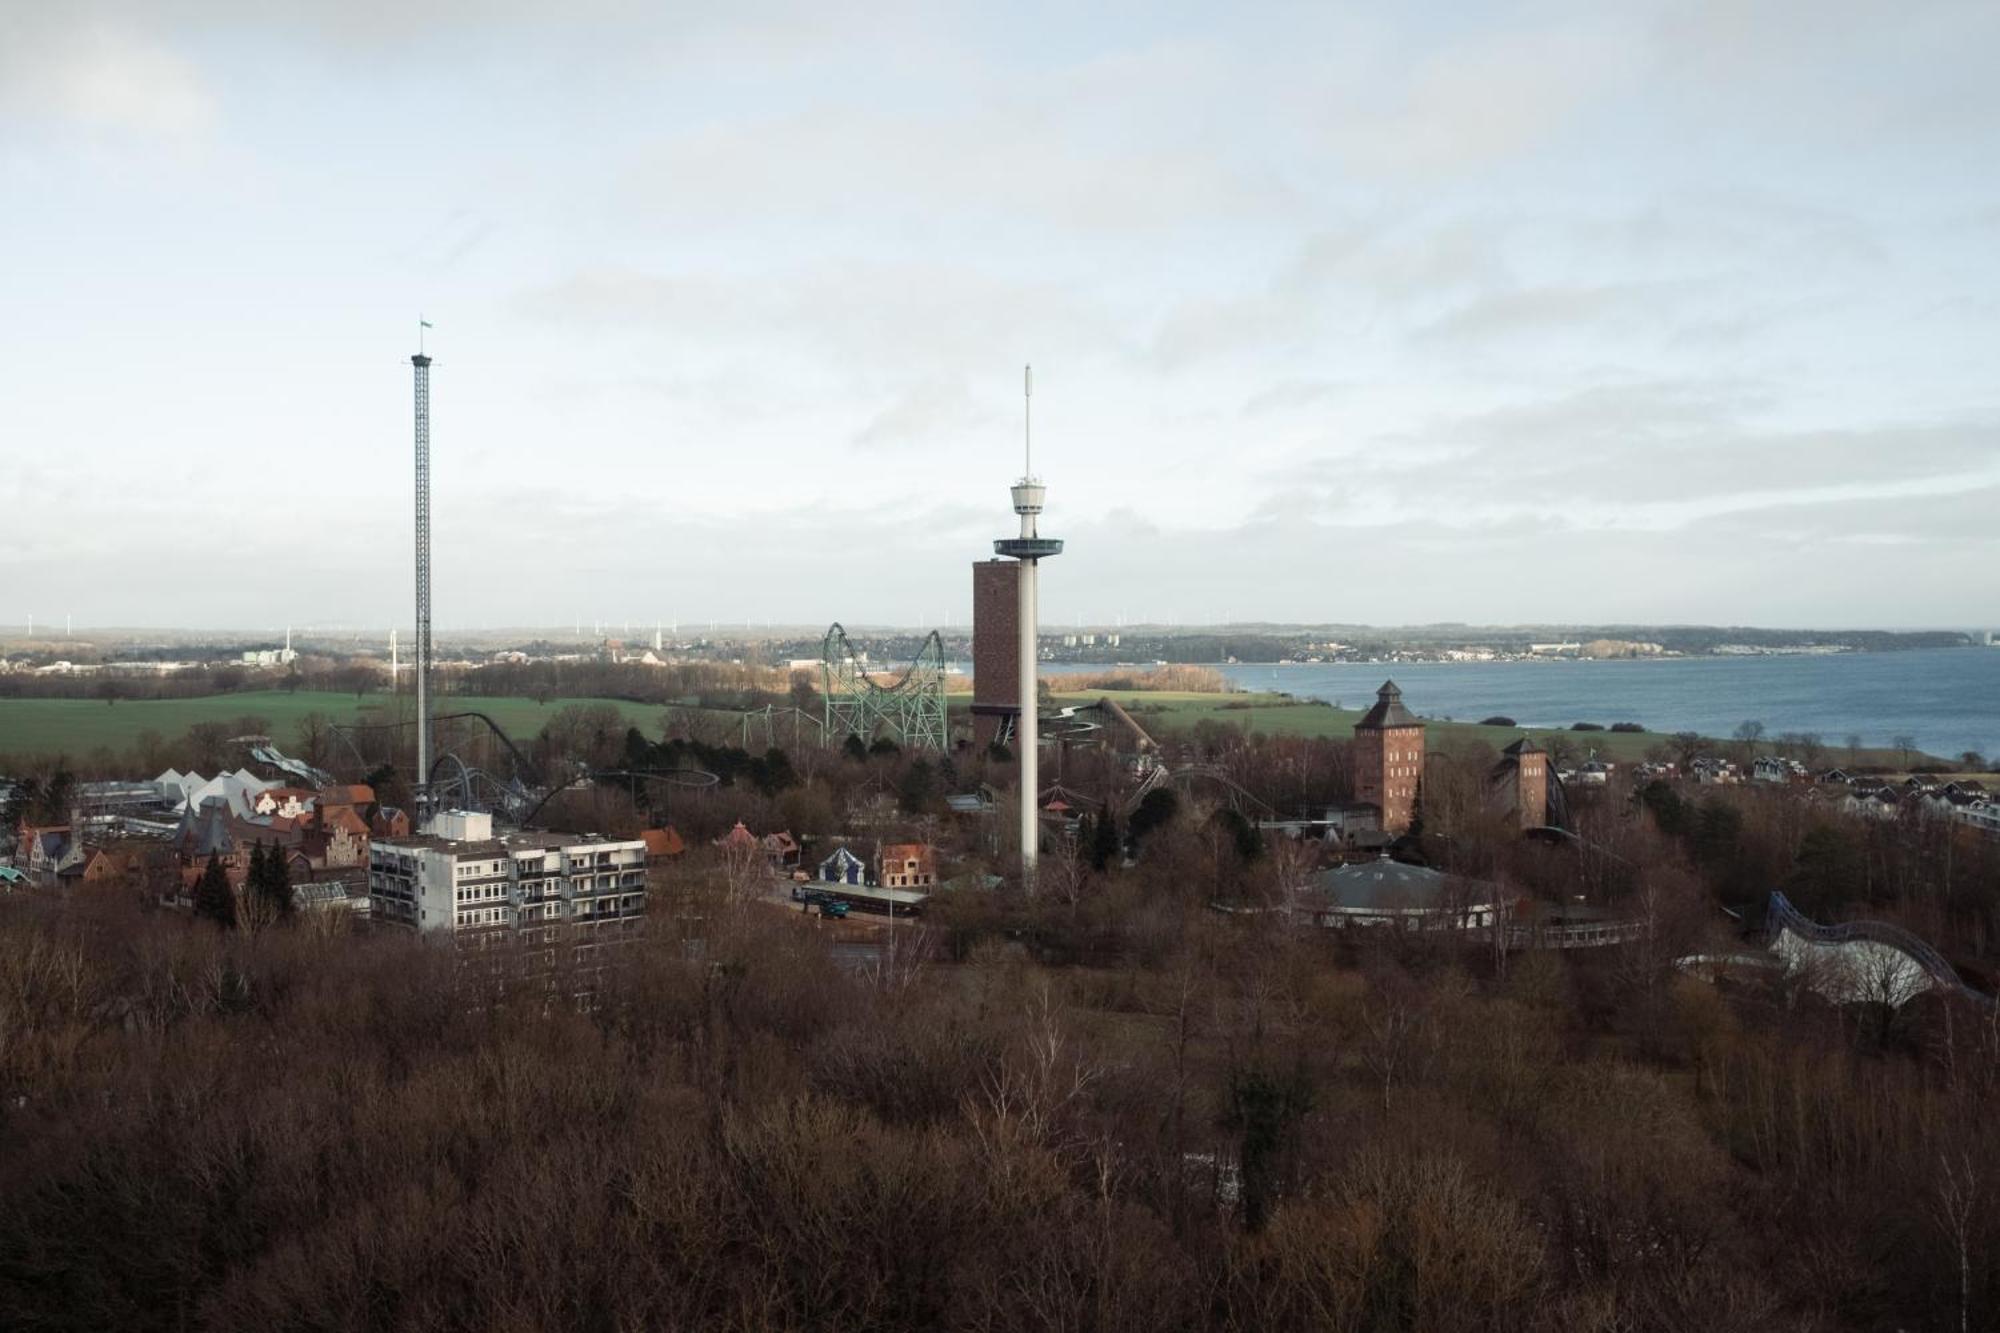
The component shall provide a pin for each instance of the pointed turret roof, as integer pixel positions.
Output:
(1388, 711)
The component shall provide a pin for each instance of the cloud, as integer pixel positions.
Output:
(1409, 313)
(1479, 101)
(1511, 314)
(863, 317)
(1005, 162)
(1290, 395)
(935, 413)
(1375, 273)
(1949, 518)
(102, 77)
(1628, 457)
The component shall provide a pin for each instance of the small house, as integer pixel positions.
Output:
(906, 865)
(781, 850)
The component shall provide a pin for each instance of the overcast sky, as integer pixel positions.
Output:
(1392, 313)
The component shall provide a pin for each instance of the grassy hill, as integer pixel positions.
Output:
(79, 726)
(1282, 715)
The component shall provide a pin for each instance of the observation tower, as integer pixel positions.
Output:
(1030, 548)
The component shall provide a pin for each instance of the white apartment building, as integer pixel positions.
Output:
(462, 877)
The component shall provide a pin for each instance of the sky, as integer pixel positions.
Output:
(1390, 314)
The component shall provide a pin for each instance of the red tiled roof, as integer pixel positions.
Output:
(662, 842)
(896, 853)
(342, 817)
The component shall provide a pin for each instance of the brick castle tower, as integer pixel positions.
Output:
(1389, 758)
(996, 665)
(1521, 783)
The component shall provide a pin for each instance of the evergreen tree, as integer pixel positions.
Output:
(274, 887)
(1158, 808)
(1243, 835)
(854, 748)
(1103, 841)
(213, 898)
(1265, 1109)
(918, 792)
(774, 772)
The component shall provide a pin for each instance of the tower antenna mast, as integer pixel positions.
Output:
(1027, 421)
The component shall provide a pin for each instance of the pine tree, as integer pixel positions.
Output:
(1410, 846)
(918, 790)
(1103, 841)
(213, 898)
(274, 889)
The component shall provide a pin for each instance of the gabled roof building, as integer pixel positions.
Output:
(906, 865)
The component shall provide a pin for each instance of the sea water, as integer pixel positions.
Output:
(1946, 700)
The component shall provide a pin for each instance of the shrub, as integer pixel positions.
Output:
(1179, 679)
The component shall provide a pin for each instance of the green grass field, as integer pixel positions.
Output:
(1277, 715)
(80, 726)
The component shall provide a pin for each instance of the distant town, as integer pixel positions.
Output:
(139, 652)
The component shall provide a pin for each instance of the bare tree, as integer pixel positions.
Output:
(1954, 1209)
(314, 736)
(745, 873)
(1747, 734)
(1039, 1083)
(904, 953)
(1292, 861)
(1064, 873)
(1390, 1023)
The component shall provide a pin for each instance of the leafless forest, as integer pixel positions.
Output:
(1109, 1107)
(1236, 1129)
